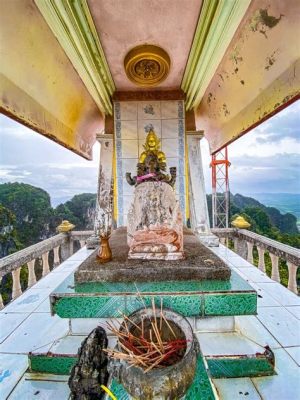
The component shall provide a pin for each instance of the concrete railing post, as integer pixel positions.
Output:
(250, 252)
(261, 259)
(45, 259)
(65, 248)
(292, 285)
(1, 300)
(275, 271)
(223, 241)
(56, 260)
(31, 273)
(16, 289)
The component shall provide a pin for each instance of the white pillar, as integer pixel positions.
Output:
(223, 241)
(82, 243)
(31, 273)
(292, 285)
(16, 289)
(56, 260)
(261, 259)
(197, 194)
(105, 185)
(275, 271)
(45, 259)
(250, 252)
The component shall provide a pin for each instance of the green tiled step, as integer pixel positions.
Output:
(55, 364)
(189, 298)
(59, 359)
(201, 387)
(232, 355)
(228, 355)
(240, 366)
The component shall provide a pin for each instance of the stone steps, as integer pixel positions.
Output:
(189, 298)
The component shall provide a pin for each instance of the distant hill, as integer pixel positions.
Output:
(34, 219)
(286, 223)
(284, 202)
(26, 215)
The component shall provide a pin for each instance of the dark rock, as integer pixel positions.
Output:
(90, 372)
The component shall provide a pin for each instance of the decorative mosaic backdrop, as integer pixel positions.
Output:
(132, 122)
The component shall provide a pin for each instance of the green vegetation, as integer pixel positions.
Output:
(26, 217)
(269, 222)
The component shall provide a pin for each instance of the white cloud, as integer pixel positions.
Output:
(264, 160)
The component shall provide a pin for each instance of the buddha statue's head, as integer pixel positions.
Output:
(152, 142)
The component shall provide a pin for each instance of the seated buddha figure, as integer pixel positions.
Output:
(152, 164)
(152, 145)
(154, 220)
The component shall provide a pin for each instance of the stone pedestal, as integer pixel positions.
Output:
(155, 223)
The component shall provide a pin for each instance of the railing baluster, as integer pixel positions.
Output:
(261, 259)
(16, 289)
(45, 258)
(31, 273)
(82, 243)
(56, 260)
(275, 271)
(250, 252)
(1, 300)
(223, 241)
(235, 245)
(292, 285)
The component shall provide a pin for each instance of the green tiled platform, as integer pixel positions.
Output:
(189, 298)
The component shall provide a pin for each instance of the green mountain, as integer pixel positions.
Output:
(32, 210)
(35, 219)
(26, 215)
(286, 223)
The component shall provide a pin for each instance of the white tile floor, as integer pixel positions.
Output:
(26, 324)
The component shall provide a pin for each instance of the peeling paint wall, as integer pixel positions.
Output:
(38, 85)
(258, 76)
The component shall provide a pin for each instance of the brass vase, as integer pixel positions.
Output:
(104, 253)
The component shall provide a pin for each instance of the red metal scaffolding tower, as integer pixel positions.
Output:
(220, 189)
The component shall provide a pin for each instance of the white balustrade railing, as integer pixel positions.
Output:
(264, 245)
(62, 246)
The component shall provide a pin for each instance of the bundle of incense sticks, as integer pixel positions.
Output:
(146, 348)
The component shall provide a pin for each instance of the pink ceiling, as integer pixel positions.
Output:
(124, 24)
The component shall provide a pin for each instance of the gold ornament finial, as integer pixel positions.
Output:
(240, 223)
(65, 226)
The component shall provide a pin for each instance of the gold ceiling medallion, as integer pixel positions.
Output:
(147, 65)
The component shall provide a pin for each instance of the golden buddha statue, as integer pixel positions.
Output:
(152, 146)
(152, 164)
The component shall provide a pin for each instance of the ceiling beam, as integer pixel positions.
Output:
(73, 26)
(217, 24)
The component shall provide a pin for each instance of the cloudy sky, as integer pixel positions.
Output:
(265, 160)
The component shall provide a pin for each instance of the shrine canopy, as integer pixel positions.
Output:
(235, 62)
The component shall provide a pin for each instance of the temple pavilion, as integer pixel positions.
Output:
(80, 71)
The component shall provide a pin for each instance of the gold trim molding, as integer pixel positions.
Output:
(147, 65)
